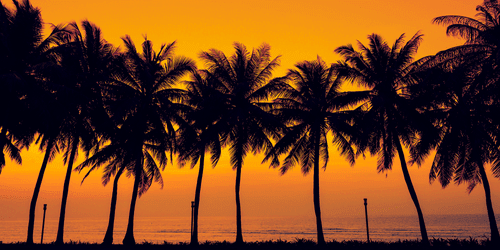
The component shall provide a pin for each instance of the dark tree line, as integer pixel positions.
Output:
(72, 91)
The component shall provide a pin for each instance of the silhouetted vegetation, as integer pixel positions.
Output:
(388, 116)
(242, 122)
(297, 244)
(311, 105)
(130, 112)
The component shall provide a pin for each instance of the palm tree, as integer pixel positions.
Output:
(50, 120)
(86, 61)
(467, 141)
(26, 61)
(144, 105)
(244, 126)
(313, 107)
(143, 78)
(390, 118)
(201, 135)
(470, 127)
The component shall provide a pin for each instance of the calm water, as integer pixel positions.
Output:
(177, 229)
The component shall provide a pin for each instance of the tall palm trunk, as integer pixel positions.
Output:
(108, 237)
(62, 215)
(413, 194)
(194, 234)
(31, 222)
(129, 235)
(317, 207)
(495, 237)
(239, 231)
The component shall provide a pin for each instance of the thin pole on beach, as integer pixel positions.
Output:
(366, 217)
(43, 223)
(192, 217)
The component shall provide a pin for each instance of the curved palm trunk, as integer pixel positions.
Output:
(413, 194)
(108, 237)
(129, 235)
(62, 215)
(239, 231)
(31, 222)
(194, 234)
(317, 207)
(495, 237)
(3, 142)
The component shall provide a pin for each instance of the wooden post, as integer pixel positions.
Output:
(192, 218)
(366, 217)
(43, 223)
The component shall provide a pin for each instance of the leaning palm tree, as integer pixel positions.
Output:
(471, 110)
(50, 140)
(390, 118)
(200, 136)
(86, 61)
(313, 106)
(468, 138)
(25, 62)
(244, 126)
(144, 104)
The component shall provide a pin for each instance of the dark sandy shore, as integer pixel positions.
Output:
(298, 244)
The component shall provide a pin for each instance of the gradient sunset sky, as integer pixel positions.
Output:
(297, 30)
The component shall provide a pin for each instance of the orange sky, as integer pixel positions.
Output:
(297, 30)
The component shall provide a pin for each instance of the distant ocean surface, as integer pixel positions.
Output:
(177, 229)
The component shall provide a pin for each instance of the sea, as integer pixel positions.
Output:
(178, 229)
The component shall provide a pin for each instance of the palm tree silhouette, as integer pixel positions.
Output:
(243, 80)
(389, 116)
(27, 59)
(139, 100)
(467, 141)
(470, 111)
(201, 135)
(313, 107)
(50, 139)
(144, 106)
(86, 61)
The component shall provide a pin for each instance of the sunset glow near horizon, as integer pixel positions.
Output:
(297, 30)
